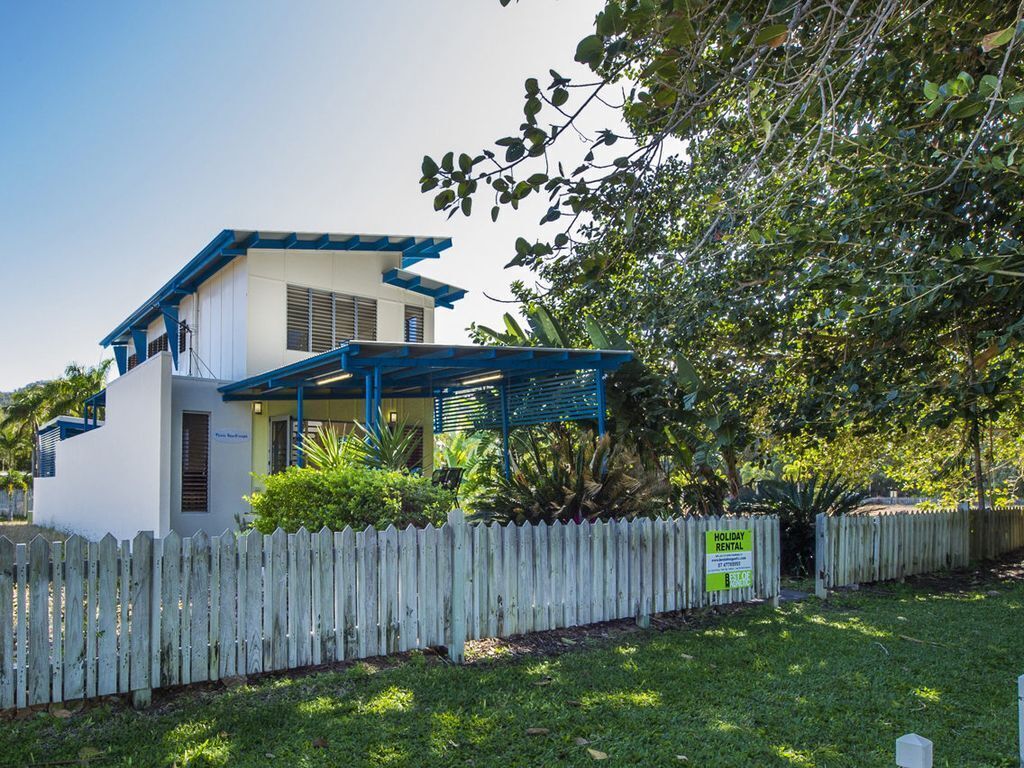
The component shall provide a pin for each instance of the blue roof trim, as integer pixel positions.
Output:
(202, 265)
(231, 243)
(443, 295)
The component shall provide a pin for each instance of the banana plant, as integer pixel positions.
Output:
(546, 331)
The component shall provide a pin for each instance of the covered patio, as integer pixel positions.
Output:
(472, 387)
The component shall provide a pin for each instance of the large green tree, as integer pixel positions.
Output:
(818, 202)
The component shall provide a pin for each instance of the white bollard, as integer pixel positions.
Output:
(1020, 718)
(913, 751)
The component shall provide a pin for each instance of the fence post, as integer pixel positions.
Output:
(820, 555)
(643, 615)
(913, 751)
(457, 649)
(140, 630)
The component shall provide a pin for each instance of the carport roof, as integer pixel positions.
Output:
(414, 370)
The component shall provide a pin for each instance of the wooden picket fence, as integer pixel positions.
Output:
(91, 619)
(853, 549)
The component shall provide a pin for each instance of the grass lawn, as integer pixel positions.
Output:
(22, 532)
(809, 685)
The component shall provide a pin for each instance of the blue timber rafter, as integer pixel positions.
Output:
(444, 295)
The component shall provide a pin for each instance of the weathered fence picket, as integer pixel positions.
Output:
(90, 619)
(851, 549)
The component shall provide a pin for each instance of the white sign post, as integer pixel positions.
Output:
(913, 751)
(1020, 718)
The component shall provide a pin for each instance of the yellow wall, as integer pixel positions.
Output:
(418, 411)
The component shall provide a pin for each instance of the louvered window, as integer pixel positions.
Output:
(182, 334)
(298, 318)
(413, 324)
(159, 344)
(415, 460)
(321, 320)
(133, 361)
(195, 462)
(344, 317)
(366, 319)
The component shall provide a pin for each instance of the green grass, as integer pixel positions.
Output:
(810, 685)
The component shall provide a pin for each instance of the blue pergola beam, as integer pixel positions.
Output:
(601, 404)
(300, 454)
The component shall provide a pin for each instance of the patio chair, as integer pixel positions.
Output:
(449, 478)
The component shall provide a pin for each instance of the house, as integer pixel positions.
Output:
(258, 341)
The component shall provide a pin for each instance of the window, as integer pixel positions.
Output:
(195, 462)
(321, 320)
(415, 460)
(298, 318)
(159, 344)
(133, 361)
(413, 324)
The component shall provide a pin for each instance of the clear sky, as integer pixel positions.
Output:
(132, 132)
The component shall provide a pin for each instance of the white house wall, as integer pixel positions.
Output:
(116, 478)
(219, 324)
(358, 273)
(230, 456)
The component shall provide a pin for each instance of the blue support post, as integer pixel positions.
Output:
(601, 406)
(505, 457)
(368, 403)
(376, 399)
(300, 457)
(121, 356)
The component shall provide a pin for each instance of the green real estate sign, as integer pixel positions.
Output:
(729, 561)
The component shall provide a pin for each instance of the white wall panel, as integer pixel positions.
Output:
(116, 478)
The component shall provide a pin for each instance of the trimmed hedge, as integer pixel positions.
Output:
(354, 495)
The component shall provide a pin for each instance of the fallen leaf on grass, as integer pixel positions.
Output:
(319, 743)
(574, 703)
(581, 742)
(688, 657)
(537, 731)
(60, 712)
(88, 753)
(682, 758)
(597, 754)
(543, 681)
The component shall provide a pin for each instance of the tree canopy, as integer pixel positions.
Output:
(816, 204)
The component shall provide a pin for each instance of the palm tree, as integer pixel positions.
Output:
(15, 451)
(36, 404)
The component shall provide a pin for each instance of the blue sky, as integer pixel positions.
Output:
(132, 133)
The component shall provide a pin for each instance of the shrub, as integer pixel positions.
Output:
(563, 474)
(349, 495)
(798, 504)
